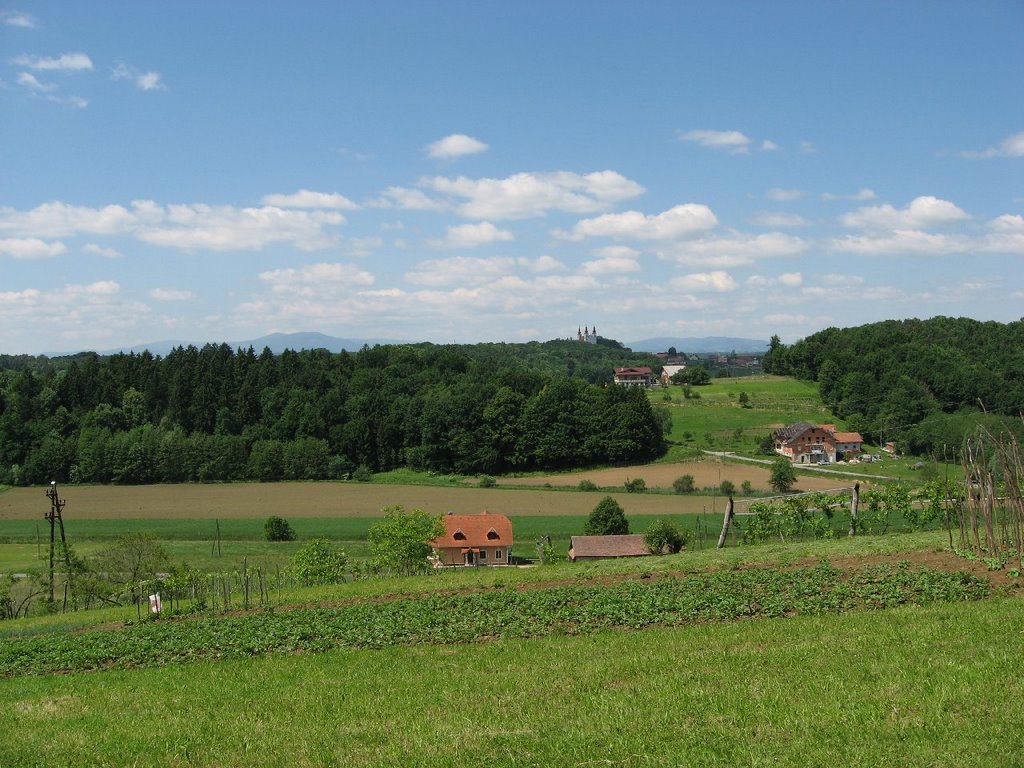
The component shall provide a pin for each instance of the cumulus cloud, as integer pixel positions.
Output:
(17, 19)
(733, 141)
(460, 270)
(456, 145)
(309, 279)
(905, 242)
(189, 226)
(31, 248)
(526, 195)
(541, 264)
(783, 195)
(1011, 146)
(67, 62)
(786, 279)
(922, 213)
(473, 235)
(1008, 222)
(862, 194)
(772, 219)
(769, 146)
(610, 265)
(677, 222)
(734, 251)
(717, 281)
(99, 250)
(30, 81)
(144, 81)
(408, 199)
(171, 294)
(306, 198)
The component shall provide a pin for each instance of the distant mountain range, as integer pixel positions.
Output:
(704, 344)
(276, 342)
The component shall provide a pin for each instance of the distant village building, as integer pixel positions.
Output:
(668, 371)
(587, 335)
(806, 443)
(602, 547)
(484, 539)
(638, 376)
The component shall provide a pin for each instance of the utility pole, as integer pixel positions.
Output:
(56, 518)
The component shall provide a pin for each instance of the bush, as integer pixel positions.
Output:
(317, 563)
(637, 485)
(362, 474)
(746, 487)
(487, 482)
(683, 484)
(606, 519)
(400, 542)
(726, 488)
(664, 535)
(277, 529)
(783, 476)
(587, 485)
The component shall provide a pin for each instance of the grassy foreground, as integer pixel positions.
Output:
(937, 686)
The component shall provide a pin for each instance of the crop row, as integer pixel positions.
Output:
(501, 613)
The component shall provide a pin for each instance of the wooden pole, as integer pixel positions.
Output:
(854, 502)
(725, 523)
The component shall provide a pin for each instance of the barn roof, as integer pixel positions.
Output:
(483, 530)
(621, 545)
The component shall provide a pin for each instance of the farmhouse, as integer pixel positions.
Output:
(484, 539)
(806, 443)
(601, 547)
(633, 377)
(668, 371)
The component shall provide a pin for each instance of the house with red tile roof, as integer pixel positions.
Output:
(806, 443)
(638, 376)
(484, 539)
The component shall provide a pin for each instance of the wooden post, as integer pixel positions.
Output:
(725, 523)
(854, 502)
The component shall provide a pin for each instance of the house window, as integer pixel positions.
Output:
(497, 554)
(459, 535)
(492, 535)
(483, 554)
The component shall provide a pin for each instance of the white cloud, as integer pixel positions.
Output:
(460, 270)
(541, 264)
(310, 279)
(787, 279)
(144, 81)
(526, 195)
(610, 265)
(31, 248)
(860, 195)
(191, 226)
(837, 280)
(769, 146)
(1007, 223)
(1011, 146)
(734, 251)
(99, 250)
(456, 145)
(922, 213)
(67, 62)
(171, 294)
(617, 251)
(771, 219)
(733, 141)
(408, 199)
(807, 148)
(783, 195)
(361, 247)
(306, 198)
(907, 242)
(17, 19)
(677, 222)
(717, 281)
(30, 81)
(473, 235)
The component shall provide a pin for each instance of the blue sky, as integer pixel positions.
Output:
(475, 171)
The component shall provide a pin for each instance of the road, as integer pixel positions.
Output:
(822, 470)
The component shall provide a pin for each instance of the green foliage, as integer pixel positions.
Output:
(462, 618)
(362, 474)
(697, 375)
(399, 543)
(746, 487)
(744, 400)
(318, 563)
(636, 485)
(607, 518)
(727, 488)
(684, 484)
(586, 485)
(487, 482)
(783, 476)
(664, 536)
(278, 529)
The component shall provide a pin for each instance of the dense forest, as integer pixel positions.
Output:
(217, 414)
(924, 384)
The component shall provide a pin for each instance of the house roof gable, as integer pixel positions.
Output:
(475, 530)
(622, 545)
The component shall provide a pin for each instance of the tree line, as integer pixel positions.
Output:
(217, 414)
(924, 384)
